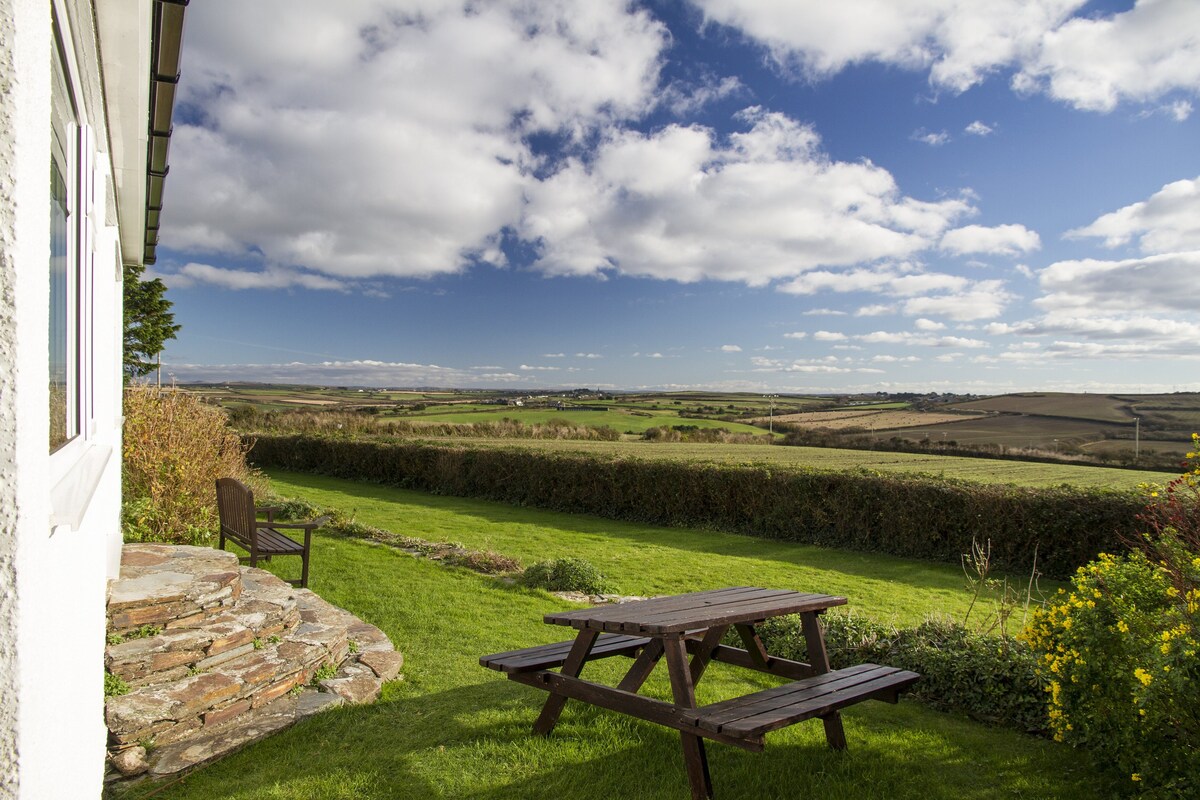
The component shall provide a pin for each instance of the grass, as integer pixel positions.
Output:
(455, 730)
(982, 470)
(649, 560)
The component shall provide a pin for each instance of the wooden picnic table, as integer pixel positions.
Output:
(695, 624)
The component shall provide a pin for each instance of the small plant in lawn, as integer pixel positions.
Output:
(566, 575)
(114, 686)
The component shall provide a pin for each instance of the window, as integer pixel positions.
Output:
(64, 380)
(70, 261)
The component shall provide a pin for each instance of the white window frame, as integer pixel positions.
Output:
(74, 462)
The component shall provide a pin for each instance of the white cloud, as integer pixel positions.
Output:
(931, 138)
(796, 335)
(588, 355)
(271, 278)
(877, 310)
(362, 139)
(1090, 62)
(959, 41)
(1138, 55)
(824, 312)
(766, 204)
(347, 373)
(829, 336)
(895, 359)
(978, 128)
(919, 339)
(1169, 221)
(1160, 283)
(528, 368)
(553, 355)
(984, 300)
(730, 348)
(928, 325)
(1008, 240)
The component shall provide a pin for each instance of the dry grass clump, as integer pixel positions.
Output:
(175, 448)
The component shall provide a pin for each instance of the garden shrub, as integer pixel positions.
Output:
(1120, 651)
(915, 516)
(992, 679)
(566, 575)
(175, 447)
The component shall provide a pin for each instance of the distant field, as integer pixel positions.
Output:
(1100, 407)
(1009, 430)
(973, 469)
(859, 417)
(618, 419)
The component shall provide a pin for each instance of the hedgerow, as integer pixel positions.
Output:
(914, 516)
(993, 679)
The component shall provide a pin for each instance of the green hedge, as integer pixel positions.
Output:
(914, 516)
(991, 679)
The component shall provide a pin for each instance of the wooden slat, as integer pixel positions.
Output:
(759, 713)
(275, 543)
(782, 667)
(697, 610)
(620, 610)
(546, 656)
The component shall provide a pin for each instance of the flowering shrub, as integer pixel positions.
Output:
(1120, 651)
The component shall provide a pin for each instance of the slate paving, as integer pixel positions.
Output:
(218, 656)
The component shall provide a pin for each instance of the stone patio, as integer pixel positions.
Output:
(218, 655)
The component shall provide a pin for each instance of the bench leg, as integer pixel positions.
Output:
(573, 666)
(643, 665)
(684, 691)
(814, 641)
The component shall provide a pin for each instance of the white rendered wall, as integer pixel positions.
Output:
(52, 581)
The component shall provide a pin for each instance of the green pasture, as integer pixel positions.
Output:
(617, 419)
(452, 729)
(983, 470)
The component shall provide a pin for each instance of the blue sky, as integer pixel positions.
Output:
(903, 195)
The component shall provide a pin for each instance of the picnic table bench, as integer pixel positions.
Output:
(695, 624)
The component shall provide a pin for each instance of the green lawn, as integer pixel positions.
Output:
(983, 470)
(455, 730)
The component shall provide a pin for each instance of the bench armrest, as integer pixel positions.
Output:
(316, 523)
(270, 511)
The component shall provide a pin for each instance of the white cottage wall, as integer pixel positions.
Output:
(59, 512)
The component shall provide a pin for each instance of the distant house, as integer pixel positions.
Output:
(88, 91)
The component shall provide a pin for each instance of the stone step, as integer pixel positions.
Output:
(244, 670)
(171, 586)
(266, 609)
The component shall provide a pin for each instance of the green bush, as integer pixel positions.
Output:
(174, 448)
(566, 575)
(990, 678)
(1120, 652)
(908, 515)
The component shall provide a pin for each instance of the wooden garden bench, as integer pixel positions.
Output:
(240, 523)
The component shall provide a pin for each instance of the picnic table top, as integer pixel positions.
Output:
(694, 611)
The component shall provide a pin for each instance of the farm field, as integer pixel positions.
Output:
(983, 470)
(875, 420)
(619, 419)
(454, 730)
(1099, 407)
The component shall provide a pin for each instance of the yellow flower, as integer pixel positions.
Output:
(1135, 777)
(1122, 626)
(1143, 676)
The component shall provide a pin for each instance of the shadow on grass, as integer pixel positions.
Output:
(474, 741)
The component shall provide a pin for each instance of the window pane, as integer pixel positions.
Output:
(61, 411)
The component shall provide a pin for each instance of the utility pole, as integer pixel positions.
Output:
(771, 417)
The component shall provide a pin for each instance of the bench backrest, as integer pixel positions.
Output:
(235, 507)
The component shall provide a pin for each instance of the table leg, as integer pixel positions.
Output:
(814, 640)
(643, 665)
(573, 666)
(684, 691)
